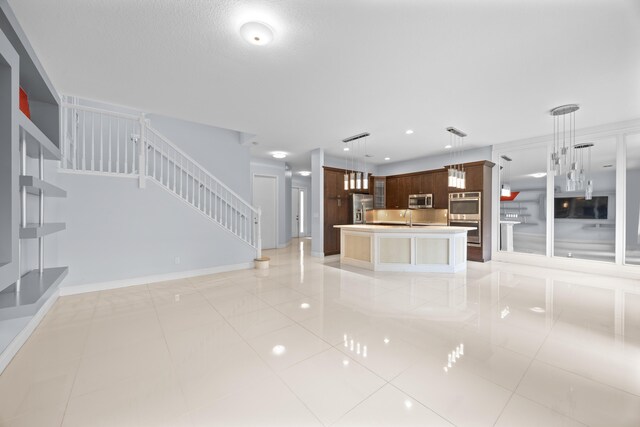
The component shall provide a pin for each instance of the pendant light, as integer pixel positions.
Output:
(505, 188)
(564, 135)
(582, 180)
(355, 179)
(456, 175)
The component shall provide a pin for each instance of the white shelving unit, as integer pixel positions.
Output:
(24, 286)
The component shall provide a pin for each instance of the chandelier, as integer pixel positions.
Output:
(355, 179)
(457, 177)
(567, 158)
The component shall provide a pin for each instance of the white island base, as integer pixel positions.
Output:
(438, 249)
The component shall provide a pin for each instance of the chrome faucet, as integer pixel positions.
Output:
(410, 217)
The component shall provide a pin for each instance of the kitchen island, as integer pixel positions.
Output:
(439, 249)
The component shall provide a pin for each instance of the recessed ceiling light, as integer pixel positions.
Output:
(447, 146)
(386, 340)
(345, 362)
(538, 174)
(304, 173)
(537, 309)
(278, 350)
(256, 33)
(387, 158)
(279, 155)
(345, 149)
(305, 305)
(408, 404)
(409, 131)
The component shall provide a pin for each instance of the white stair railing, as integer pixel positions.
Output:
(112, 143)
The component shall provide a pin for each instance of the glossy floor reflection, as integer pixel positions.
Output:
(308, 343)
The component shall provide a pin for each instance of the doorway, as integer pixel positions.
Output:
(265, 197)
(298, 226)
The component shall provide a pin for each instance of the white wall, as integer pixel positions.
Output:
(432, 162)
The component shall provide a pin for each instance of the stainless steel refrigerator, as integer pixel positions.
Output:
(358, 205)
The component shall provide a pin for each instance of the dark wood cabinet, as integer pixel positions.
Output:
(474, 178)
(404, 189)
(440, 190)
(336, 209)
(397, 189)
(392, 193)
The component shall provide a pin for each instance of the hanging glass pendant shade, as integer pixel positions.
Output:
(456, 176)
(358, 180)
(346, 180)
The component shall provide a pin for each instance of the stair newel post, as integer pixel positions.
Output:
(258, 234)
(142, 152)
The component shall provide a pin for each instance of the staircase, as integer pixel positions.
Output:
(104, 142)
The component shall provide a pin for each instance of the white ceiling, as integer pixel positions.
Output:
(492, 68)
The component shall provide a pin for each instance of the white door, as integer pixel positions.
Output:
(295, 212)
(265, 196)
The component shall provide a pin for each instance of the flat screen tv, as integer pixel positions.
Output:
(579, 208)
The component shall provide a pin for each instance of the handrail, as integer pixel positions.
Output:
(100, 141)
(100, 111)
(202, 168)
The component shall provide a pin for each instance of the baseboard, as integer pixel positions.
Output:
(284, 245)
(317, 254)
(12, 349)
(123, 283)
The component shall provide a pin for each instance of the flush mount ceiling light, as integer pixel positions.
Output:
(256, 33)
(279, 155)
(387, 158)
(345, 149)
(538, 175)
(304, 173)
(409, 131)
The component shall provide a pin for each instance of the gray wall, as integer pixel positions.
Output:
(116, 230)
(633, 209)
(218, 150)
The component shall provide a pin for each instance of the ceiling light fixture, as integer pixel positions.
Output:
(256, 33)
(409, 131)
(448, 146)
(345, 149)
(279, 155)
(457, 177)
(304, 173)
(505, 188)
(278, 349)
(538, 175)
(355, 179)
(387, 158)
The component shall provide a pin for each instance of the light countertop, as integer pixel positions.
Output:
(416, 229)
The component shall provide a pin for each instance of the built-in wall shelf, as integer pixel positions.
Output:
(35, 186)
(35, 290)
(36, 140)
(34, 231)
(519, 201)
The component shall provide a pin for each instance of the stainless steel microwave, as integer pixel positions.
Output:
(420, 201)
(465, 206)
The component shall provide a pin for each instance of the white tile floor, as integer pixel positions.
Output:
(307, 343)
